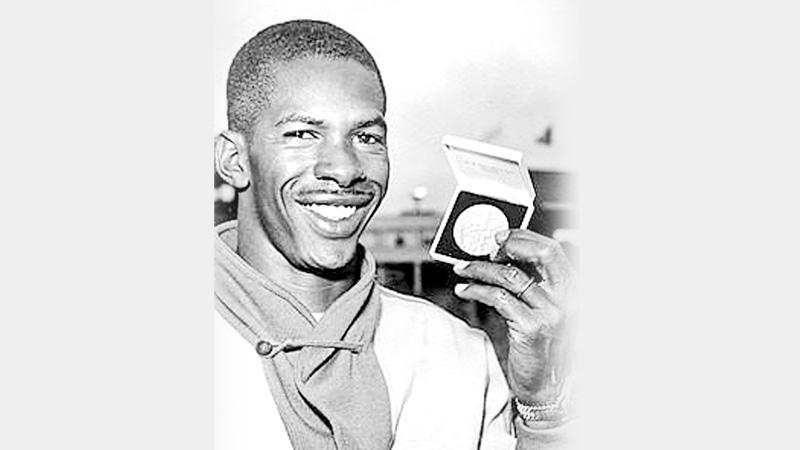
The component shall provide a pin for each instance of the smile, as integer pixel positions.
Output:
(334, 213)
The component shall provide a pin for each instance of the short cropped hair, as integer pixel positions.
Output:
(251, 79)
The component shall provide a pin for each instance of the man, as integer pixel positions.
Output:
(310, 352)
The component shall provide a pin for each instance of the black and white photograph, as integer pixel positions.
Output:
(396, 226)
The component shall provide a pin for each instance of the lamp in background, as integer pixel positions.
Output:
(417, 195)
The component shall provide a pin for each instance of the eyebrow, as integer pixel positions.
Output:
(375, 121)
(308, 120)
(294, 117)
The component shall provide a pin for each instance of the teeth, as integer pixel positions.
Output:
(332, 212)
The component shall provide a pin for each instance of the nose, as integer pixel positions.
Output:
(339, 162)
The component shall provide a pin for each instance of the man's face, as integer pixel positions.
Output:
(318, 161)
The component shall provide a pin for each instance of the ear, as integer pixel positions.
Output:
(230, 159)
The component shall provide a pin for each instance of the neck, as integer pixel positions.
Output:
(317, 291)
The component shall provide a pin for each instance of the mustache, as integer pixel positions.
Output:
(342, 191)
(359, 195)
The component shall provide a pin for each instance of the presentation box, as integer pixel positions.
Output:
(494, 193)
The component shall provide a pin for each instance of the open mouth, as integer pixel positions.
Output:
(337, 208)
(334, 213)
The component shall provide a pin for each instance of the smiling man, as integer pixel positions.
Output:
(310, 352)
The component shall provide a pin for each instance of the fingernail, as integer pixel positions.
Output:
(460, 287)
(501, 236)
(461, 265)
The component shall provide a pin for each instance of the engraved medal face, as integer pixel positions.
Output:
(466, 233)
(476, 226)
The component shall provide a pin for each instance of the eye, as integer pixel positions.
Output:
(369, 139)
(300, 134)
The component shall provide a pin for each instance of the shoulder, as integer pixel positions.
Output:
(410, 318)
(419, 308)
(432, 360)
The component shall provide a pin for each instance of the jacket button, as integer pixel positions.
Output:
(263, 348)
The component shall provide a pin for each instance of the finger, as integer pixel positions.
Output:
(547, 256)
(522, 320)
(509, 277)
(508, 306)
(527, 246)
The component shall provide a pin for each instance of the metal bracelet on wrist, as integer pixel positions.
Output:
(540, 412)
(555, 411)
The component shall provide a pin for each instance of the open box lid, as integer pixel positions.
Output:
(488, 169)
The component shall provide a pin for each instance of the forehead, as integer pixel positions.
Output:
(325, 82)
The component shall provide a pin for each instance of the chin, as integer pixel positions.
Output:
(327, 259)
(333, 258)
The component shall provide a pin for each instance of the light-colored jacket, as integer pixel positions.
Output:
(446, 388)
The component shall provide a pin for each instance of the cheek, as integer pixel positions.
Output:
(377, 169)
(272, 174)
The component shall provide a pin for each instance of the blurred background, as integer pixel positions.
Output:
(499, 72)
